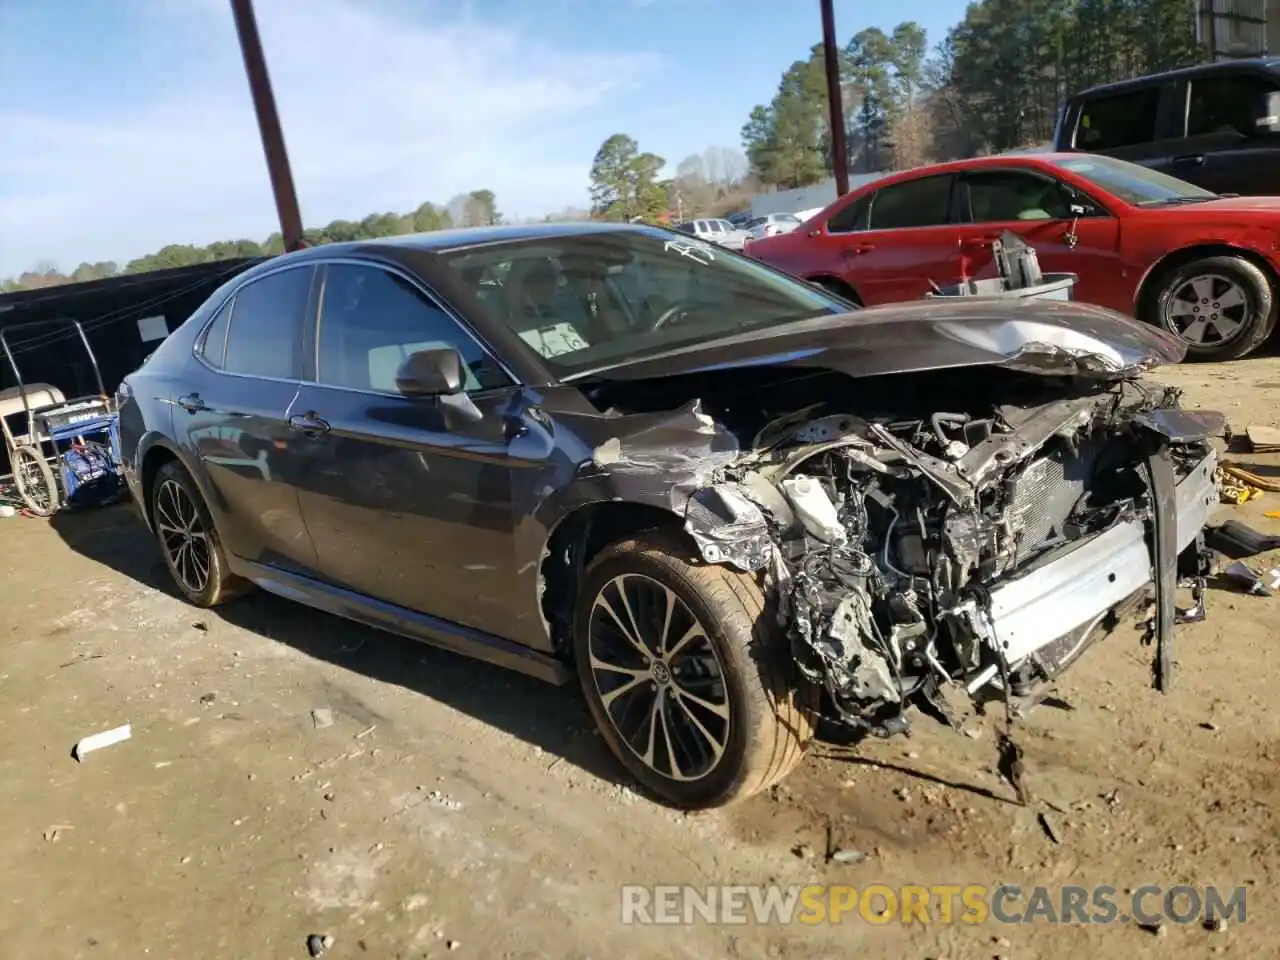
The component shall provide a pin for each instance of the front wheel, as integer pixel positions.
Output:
(686, 674)
(1222, 308)
(838, 288)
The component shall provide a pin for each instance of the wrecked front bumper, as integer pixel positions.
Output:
(1088, 578)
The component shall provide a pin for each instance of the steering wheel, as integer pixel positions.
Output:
(669, 314)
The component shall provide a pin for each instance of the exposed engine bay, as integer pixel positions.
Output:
(916, 551)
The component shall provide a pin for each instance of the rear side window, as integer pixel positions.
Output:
(1225, 105)
(917, 203)
(1119, 120)
(214, 345)
(266, 325)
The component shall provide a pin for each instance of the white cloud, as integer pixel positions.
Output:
(381, 109)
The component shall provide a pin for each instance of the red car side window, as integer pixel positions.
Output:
(852, 217)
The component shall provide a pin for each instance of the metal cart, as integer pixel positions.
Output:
(1018, 276)
(60, 450)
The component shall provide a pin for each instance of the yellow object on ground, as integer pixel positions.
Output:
(1231, 489)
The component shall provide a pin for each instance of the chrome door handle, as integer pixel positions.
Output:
(309, 424)
(192, 403)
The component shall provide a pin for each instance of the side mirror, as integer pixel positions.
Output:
(1269, 113)
(431, 373)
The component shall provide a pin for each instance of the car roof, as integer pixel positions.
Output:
(461, 238)
(1183, 73)
(1038, 160)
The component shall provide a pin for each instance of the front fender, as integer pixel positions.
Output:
(1257, 242)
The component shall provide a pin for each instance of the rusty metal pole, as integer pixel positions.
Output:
(264, 105)
(835, 101)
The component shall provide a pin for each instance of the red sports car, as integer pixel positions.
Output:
(1203, 266)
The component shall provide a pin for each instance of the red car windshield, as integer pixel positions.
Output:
(1134, 183)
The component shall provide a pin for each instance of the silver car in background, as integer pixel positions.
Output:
(715, 231)
(771, 225)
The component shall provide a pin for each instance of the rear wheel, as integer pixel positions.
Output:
(189, 541)
(686, 675)
(34, 479)
(1222, 308)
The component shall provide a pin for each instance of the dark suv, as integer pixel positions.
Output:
(1217, 126)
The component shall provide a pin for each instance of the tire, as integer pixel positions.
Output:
(837, 288)
(1223, 276)
(34, 479)
(764, 717)
(170, 514)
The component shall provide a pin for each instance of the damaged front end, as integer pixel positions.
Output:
(976, 551)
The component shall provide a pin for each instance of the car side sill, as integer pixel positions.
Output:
(406, 623)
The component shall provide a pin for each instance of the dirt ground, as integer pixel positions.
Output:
(453, 809)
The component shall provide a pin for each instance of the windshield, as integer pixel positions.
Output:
(1134, 183)
(588, 301)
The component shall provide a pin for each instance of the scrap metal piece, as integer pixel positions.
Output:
(1182, 426)
(728, 527)
(1163, 527)
(1011, 766)
(1247, 579)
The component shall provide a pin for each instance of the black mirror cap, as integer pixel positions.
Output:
(431, 373)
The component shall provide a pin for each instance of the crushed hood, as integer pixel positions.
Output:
(1039, 336)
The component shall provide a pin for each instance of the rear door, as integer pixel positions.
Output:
(235, 412)
(405, 501)
(890, 243)
(1038, 207)
(1225, 151)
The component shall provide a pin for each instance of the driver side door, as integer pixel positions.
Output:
(405, 501)
(1042, 211)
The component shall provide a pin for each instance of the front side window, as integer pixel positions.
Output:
(1119, 120)
(1134, 183)
(1002, 195)
(925, 202)
(371, 320)
(589, 301)
(1226, 105)
(266, 325)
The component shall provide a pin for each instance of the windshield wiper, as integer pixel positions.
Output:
(1172, 200)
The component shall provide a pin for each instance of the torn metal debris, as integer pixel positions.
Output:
(983, 550)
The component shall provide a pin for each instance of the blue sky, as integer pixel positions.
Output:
(127, 124)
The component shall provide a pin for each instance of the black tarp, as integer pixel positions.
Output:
(109, 310)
